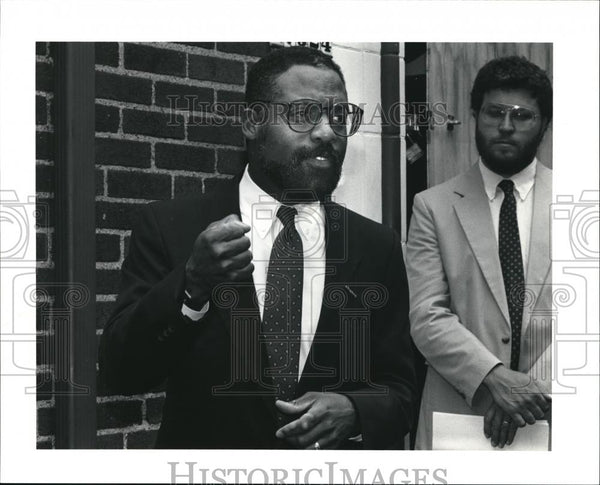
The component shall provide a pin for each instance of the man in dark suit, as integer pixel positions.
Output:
(277, 318)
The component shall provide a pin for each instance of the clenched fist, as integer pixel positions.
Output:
(220, 254)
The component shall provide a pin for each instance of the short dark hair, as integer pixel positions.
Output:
(263, 74)
(513, 72)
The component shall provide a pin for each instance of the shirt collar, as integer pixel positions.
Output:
(523, 180)
(259, 210)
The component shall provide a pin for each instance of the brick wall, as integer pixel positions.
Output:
(44, 171)
(143, 153)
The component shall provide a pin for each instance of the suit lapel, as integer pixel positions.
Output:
(538, 266)
(341, 262)
(473, 212)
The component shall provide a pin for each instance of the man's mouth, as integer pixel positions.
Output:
(504, 143)
(320, 161)
(323, 158)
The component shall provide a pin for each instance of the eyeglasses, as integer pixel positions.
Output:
(521, 118)
(303, 115)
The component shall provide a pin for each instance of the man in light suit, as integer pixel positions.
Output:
(277, 318)
(478, 261)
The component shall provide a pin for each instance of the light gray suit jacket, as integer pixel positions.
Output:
(459, 311)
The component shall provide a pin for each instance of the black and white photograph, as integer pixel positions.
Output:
(243, 260)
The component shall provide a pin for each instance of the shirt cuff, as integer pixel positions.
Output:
(194, 315)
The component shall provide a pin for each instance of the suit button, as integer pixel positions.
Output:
(505, 340)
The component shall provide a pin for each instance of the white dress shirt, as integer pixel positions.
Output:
(524, 202)
(259, 211)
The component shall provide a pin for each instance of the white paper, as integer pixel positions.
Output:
(465, 432)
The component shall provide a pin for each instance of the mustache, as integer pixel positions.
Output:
(323, 151)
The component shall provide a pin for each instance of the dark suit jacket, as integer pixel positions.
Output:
(212, 402)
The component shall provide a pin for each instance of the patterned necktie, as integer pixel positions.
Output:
(511, 261)
(282, 316)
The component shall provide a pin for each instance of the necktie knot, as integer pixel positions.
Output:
(507, 186)
(286, 215)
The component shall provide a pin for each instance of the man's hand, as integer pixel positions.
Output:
(322, 416)
(220, 254)
(498, 426)
(517, 395)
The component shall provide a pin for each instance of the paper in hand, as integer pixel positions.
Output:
(465, 432)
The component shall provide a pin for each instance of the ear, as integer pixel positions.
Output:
(545, 123)
(474, 114)
(250, 127)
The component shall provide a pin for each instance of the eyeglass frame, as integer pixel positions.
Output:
(508, 109)
(328, 108)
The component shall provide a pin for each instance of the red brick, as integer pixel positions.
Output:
(45, 347)
(104, 310)
(227, 134)
(118, 414)
(126, 240)
(44, 212)
(256, 49)
(44, 77)
(231, 162)
(183, 157)
(41, 115)
(46, 421)
(224, 96)
(153, 124)
(45, 275)
(113, 441)
(108, 247)
(127, 153)
(42, 322)
(44, 145)
(216, 69)
(44, 444)
(204, 45)
(139, 185)
(99, 182)
(215, 184)
(107, 53)
(123, 88)
(232, 103)
(152, 59)
(41, 246)
(187, 186)
(154, 407)
(116, 215)
(44, 386)
(41, 48)
(107, 118)
(195, 95)
(44, 178)
(144, 439)
(108, 281)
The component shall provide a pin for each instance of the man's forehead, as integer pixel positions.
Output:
(511, 97)
(309, 82)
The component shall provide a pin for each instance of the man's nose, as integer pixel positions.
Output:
(322, 130)
(506, 125)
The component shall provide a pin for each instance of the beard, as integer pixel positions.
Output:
(507, 161)
(298, 179)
